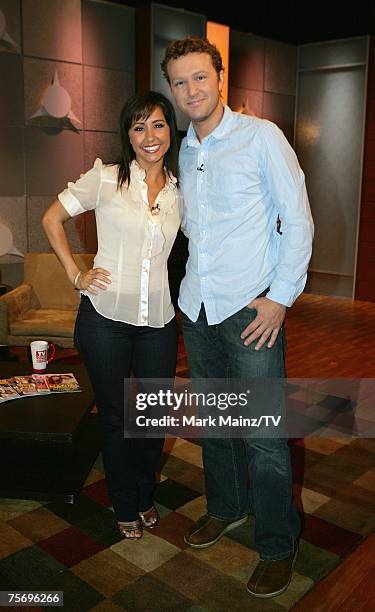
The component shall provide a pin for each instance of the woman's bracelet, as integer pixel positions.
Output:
(76, 280)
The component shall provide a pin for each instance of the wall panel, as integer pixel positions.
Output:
(91, 46)
(280, 109)
(12, 179)
(38, 243)
(329, 142)
(11, 98)
(262, 79)
(108, 36)
(52, 29)
(280, 68)
(11, 13)
(13, 214)
(105, 145)
(246, 61)
(39, 74)
(51, 160)
(365, 283)
(105, 94)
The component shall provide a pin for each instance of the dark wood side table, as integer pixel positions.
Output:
(49, 443)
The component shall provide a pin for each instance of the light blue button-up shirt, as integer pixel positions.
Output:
(234, 184)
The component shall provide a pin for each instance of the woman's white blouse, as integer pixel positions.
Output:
(133, 244)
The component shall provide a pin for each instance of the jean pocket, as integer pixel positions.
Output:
(248, 309)
(263, 294)
(249, 312)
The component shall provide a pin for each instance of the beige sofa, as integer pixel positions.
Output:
(44, 306)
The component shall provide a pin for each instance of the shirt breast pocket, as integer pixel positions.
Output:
(230, 191)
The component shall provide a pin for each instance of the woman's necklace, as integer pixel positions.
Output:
(155, 207)
(155, 210)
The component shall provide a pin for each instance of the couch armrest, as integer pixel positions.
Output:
(13, 306)
(18, 302)
(4, 325)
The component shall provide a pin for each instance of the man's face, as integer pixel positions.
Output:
(195, 85)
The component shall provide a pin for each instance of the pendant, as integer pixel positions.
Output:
(155, 210)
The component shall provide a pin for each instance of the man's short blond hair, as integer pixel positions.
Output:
(192, 44)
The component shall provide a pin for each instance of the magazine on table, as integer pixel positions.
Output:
(24, 385)
(29, 385)
(7, 391)
(62, 383)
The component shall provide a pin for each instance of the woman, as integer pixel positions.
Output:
(126, 320)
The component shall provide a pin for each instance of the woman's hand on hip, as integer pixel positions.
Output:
(94, 280)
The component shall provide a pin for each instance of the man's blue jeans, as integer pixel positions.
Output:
(249, 472)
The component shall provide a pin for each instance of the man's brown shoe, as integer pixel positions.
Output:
(208, 530)
(271, 578)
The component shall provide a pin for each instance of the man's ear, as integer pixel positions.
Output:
(221, 79)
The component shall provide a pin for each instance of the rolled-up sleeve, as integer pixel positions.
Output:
(286, 183)
(84, 194)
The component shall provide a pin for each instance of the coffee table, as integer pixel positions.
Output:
(48, 443)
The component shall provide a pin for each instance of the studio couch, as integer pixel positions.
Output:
(44, 306)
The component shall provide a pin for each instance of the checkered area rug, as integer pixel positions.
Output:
(77, 549)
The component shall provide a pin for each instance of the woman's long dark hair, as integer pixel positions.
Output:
(140, 106)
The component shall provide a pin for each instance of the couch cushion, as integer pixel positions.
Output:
(25, 340)
(45, 322)
(51, 286)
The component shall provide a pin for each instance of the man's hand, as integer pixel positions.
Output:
(267, 323)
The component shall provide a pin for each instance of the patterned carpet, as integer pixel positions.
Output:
(77, 549)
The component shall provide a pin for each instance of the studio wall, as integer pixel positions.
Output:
(365, 277)
(76, 52)
(98, 53)
(262, 79)
(157, 27)
(330, 122)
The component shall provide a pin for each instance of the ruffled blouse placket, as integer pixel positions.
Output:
(153, 237)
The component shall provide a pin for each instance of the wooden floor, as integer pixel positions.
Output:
(330, 338)
(349, 588)
(334, 338)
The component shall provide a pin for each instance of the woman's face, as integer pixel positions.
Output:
(150, 139)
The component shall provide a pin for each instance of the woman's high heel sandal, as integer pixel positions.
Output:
(150, 518)
(131, 530)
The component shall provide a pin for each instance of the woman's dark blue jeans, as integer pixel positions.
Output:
(111, 350)
(232, 464)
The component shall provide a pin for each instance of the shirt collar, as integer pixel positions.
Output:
(221, 131)
(140, 174)
(137, 171)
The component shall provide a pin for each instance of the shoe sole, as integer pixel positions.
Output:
(267, 595)
(225, 530)
(276, 593)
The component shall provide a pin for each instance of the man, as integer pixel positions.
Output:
(239, 176)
